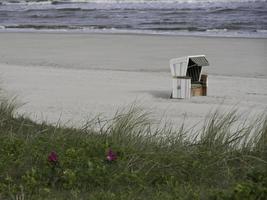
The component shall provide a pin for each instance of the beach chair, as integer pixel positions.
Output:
(187, 77)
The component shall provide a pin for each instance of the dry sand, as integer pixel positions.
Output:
(73, 77)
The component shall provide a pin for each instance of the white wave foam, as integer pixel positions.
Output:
(231, 34)
(25, 2)
(163, 1)
(7, 2)
(217, 30)
(125, 4)
(262, 31)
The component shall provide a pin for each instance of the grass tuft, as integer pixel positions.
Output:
(223, 160)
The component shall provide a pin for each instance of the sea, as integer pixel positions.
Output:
(223, 18)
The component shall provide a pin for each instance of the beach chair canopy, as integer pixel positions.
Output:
(190, 66)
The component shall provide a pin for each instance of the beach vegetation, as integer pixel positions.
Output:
(130, 157)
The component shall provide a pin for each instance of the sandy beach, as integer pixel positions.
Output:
(73, 77)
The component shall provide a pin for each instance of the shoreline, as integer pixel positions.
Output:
(197, 35)
(147, 53)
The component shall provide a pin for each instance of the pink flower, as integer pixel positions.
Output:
(111, 156)
(53, 158)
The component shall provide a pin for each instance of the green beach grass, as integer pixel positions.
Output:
(223, 160)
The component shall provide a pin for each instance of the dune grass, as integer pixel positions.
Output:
(223, 160)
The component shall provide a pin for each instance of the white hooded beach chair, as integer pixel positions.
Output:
(187, 77)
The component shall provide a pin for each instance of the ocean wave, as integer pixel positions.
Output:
(150, 1)
(40, 27)
(217, 30)
(70, 9)
(124, 27)
(163, 23)
(175, 17)
(64, 27)
(173, 8)
(5, 2)
(211, 33)
(222, 10)
(261, 31)
(221, 5)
